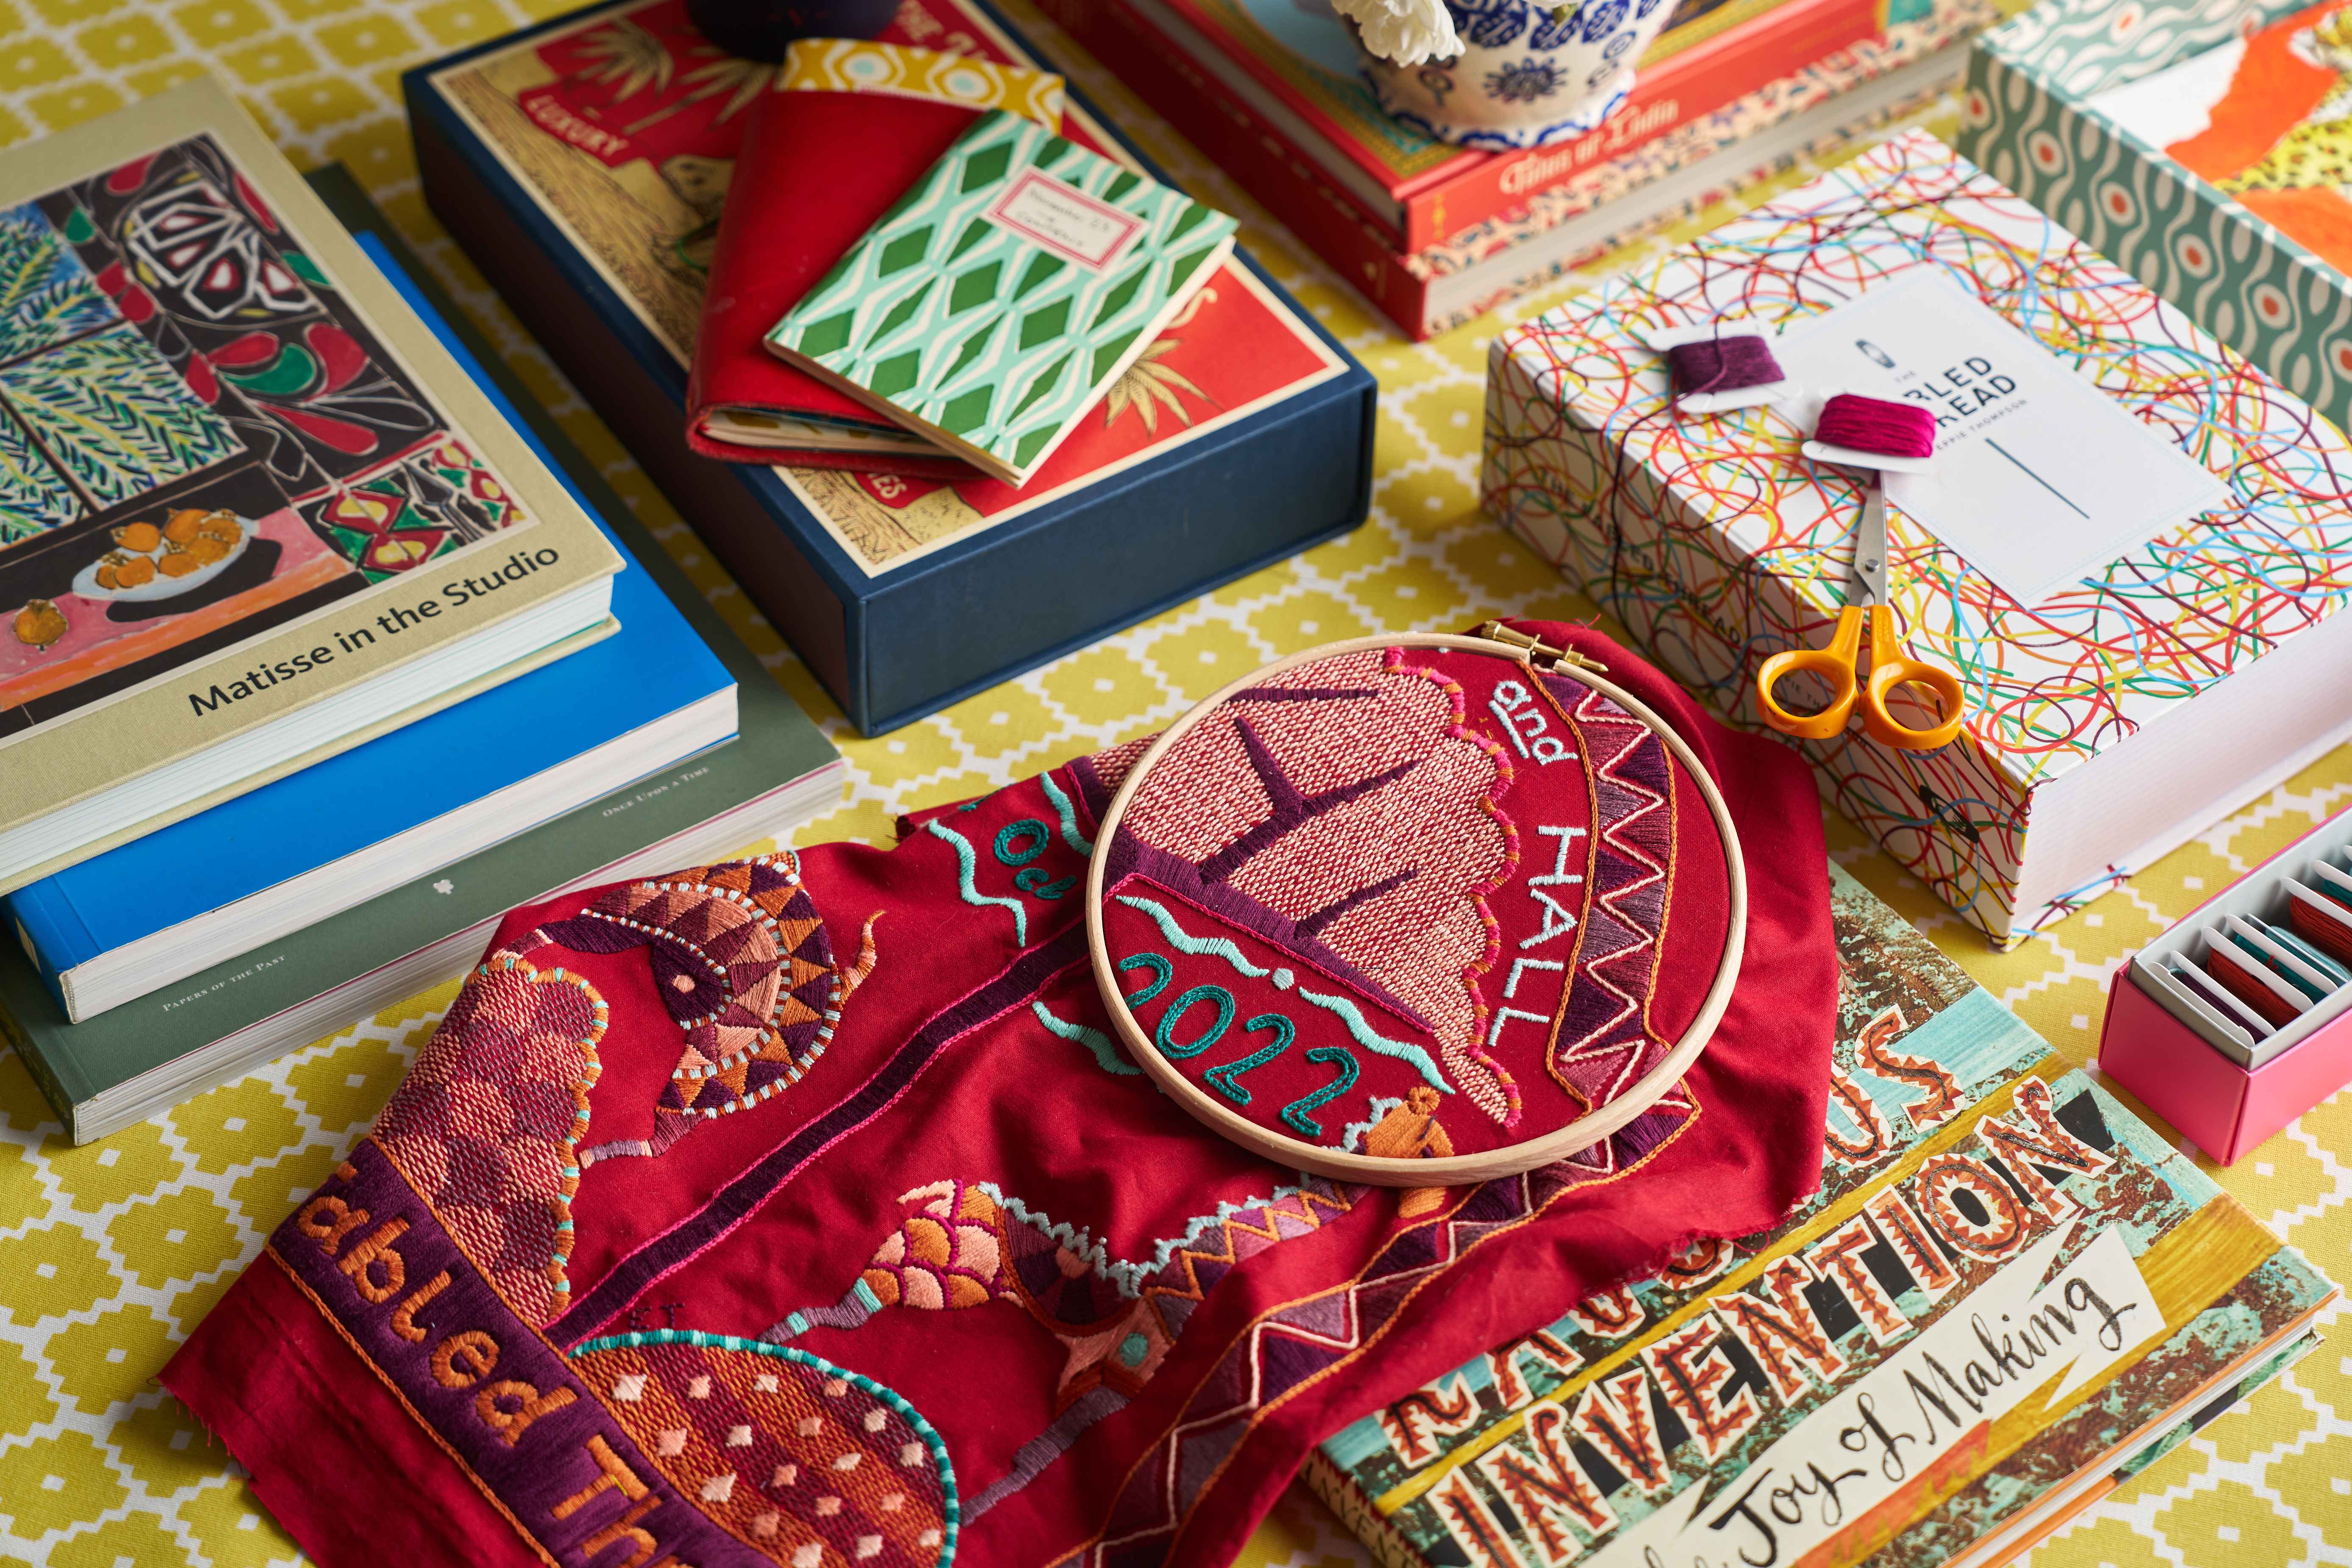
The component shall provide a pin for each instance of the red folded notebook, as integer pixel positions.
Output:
(848, 129)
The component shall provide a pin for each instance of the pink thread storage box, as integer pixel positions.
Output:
(2224, 1090)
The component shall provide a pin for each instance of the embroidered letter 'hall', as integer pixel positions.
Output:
(804, 1210)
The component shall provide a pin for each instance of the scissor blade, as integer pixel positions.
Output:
(1868, 585)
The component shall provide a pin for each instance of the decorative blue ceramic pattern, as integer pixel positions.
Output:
(1594, 111)
(1528, 75)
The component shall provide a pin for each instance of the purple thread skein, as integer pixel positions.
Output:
(1722, 364)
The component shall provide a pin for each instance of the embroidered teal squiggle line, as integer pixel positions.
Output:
(1352, 1137)
(1107, 1052)
(1127, 1278)
(1068, 812)
(1405, 1051)
(1183, 940)
(967, 863)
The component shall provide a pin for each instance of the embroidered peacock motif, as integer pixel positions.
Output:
(744, 968)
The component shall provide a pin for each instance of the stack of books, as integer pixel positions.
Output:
(584, 166)
(322, 653)
(1733, 92)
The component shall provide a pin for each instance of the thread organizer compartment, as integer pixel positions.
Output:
(2224, 925)
(2239, 1019)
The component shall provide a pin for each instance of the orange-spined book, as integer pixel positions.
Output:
(1296, 70)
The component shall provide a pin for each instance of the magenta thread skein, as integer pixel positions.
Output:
(1876, 426)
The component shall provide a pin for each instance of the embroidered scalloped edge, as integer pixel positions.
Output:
(1504, 776)
(559, 1271)
(950, 1512)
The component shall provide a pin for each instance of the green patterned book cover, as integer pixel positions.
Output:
(1005, 293)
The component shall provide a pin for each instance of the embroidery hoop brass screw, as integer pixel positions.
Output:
(1495, 640)
(1537, 653)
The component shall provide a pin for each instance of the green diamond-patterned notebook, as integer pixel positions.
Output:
(1005, 293)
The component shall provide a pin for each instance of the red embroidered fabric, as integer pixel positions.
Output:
(804, 1211)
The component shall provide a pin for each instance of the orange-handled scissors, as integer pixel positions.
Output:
(1854, 676)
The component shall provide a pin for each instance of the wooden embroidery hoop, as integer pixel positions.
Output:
(1494, 641)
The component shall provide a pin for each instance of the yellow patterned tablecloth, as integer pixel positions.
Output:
(109, 1254)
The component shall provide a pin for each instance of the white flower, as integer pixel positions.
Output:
(1405, 32)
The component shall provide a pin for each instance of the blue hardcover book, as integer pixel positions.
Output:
(265, 864)
(589, 196)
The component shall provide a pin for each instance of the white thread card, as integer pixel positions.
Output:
(2039, 478)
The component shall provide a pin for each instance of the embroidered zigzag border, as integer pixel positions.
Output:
(1282, 1349)
(1603, 1041)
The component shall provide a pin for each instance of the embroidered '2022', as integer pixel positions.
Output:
(1222, 1078)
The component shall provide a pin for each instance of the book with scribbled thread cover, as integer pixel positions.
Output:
(2007, 1291)
(1002, 297)
(1719, 543)
(226, 450)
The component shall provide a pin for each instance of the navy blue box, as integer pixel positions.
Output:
(569, 108)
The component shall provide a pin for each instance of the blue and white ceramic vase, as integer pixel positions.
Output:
(1528, 75)
(761, 29)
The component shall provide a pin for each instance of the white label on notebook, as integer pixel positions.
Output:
(1064, 219)
(2039, 478)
